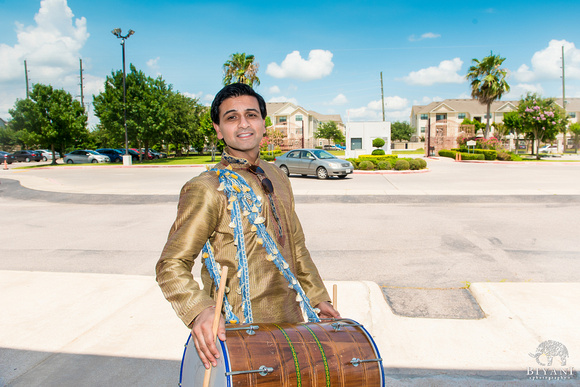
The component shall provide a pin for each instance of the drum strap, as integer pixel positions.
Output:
(242, 201)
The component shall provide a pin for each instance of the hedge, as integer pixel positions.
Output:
(464, 156)
(489, 154)
(377, 158)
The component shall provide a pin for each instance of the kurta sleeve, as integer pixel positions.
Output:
(197, 215)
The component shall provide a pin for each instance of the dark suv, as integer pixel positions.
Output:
(27, 155)
(115, 155)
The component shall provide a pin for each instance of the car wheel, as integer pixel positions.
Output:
(94, 161)
(69, 161)
(44, 159)
(27, 159)
(341, 176)
(118, 160)
(321, 173)
(285, 170)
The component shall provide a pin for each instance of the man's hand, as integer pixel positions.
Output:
(327, 310)
(201, 331)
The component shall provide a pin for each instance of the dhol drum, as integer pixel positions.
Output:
(329, 353)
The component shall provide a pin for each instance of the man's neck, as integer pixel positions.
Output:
(251, 155)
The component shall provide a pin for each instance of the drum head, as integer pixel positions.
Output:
(196, 371)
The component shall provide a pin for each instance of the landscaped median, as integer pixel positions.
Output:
(480, 154)
(387, 162)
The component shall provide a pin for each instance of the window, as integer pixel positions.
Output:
(298, 117)
(281, 119)
(440, 117)
(422, 129)
(294, 155)
(572, 114)
(461, 116)
(424, 117)
(355, 143)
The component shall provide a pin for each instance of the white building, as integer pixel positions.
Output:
(360, 136)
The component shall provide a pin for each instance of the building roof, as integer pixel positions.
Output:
(275, 107)
(3, 123)
(473, 106)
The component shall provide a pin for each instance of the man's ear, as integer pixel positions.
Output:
(218, 131)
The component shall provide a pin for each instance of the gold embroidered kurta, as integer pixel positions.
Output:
(202, 215)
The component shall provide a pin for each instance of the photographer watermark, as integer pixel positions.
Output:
(544, 355)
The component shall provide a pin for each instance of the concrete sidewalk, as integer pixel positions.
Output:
(71, 329)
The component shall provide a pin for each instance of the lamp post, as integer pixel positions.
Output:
(117, 33)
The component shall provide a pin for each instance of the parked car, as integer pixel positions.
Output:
(316, 162)
(114, 155)
(6, 156)
(47, 154)
(330, 147)
(27, 155)
(340, 146)
(159, 155)
(134, 154)
(82, 156)
(549, 149)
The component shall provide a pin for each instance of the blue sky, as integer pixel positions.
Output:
(325, 56)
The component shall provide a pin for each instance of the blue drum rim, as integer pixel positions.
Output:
(375, 348)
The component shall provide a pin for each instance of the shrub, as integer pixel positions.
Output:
(447, 153)
(422, 163)
(414, 165)
(354, 162)
(378, 142)
(366, 165)
(472, 156)
(503, 156)
(402, 165)
(377, 158)
(377, 152)
(385, 165)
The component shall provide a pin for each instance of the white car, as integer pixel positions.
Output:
(85, 156)
(47, 154)
(549, 149)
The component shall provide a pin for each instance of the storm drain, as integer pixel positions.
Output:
(452, 303)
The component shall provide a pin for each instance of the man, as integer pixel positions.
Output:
(204, 214)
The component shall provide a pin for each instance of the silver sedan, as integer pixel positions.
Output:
(316, 162)
(85, 156)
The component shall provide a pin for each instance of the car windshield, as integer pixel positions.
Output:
(93, 152)
(322, 154)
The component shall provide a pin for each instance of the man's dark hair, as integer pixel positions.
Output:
(235, 90)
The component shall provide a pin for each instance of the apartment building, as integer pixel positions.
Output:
(298, 124)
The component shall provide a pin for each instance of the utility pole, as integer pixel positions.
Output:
(563, 101)
(26, 75)
(382, 97)
(82, 87)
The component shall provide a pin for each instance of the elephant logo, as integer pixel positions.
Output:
(550, 349)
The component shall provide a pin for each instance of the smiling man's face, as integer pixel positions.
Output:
(241, 126)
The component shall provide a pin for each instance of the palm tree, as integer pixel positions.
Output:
(488, 82)
(241, 68)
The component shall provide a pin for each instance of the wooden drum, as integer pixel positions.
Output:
(329, 353)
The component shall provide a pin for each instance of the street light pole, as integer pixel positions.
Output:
(117, 33)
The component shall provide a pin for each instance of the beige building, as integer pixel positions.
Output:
(446, 116)
(298, 124)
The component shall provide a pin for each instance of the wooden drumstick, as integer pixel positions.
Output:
(216, 318)
(334, 297)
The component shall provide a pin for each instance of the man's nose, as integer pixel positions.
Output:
(244, 123)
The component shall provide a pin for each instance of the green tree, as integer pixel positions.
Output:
(513, 122)
(184, 122)
(575, 130)
(488, 82)
(401, 131)
(8, 137)
(330, 131)
(147, 108)
(50, 118)
(241, 68)
(541, 118)
(208, 131)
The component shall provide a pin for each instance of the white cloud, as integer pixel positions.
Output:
(51, 49)
(197, 95)
(427, 35)
(338, 100)
(318, 65)
(274, 90)
(547, 63)
(283, 99)
(445, 72)
(521, 89)
(396, 109)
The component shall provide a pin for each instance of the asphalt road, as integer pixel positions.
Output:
(443, 230)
